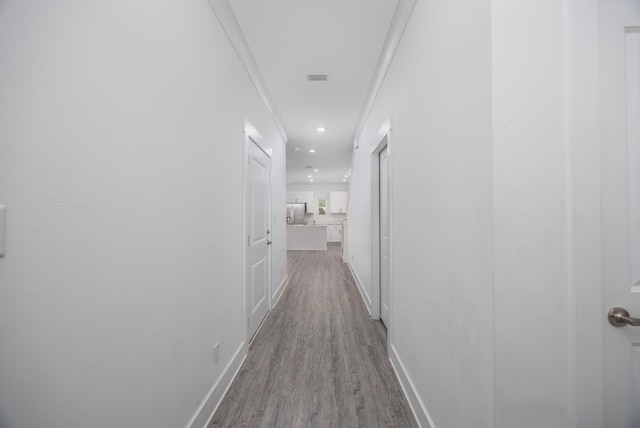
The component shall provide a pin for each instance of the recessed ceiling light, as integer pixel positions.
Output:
(311, 180)
(310, 176)
(296, 149)
(312, 150)
(344, 179)
(346, 176)
(321, 129)
(316, 170)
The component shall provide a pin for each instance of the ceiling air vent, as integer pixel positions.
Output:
(308, 167)
(317, 77)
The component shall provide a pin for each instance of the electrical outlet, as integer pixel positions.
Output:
(216, 353)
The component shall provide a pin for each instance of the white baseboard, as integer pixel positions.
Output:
(417, 406)
(210, 404)
(363, 293)
(276, 296)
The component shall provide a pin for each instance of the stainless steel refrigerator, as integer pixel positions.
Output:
(296, 213)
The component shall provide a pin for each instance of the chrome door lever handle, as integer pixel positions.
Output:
(619, 317)
(269, 242)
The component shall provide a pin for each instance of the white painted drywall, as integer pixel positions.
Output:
(480, 219)
(279, 271)
(121, 162)
(317, 188)
(531, 214)
(437, 92)
(584, 132)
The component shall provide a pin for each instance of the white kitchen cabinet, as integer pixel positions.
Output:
(334, 233)
(296, 197)
(306, 237)
(338, 202)
(303, 198)
(312, 205)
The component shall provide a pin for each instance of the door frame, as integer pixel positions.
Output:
(251, 135)
(585, 315)
(383, 138)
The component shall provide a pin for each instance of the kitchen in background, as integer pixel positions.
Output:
(331, 215)
(324, 219)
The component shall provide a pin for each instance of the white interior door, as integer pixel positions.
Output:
(619, 33)
(384, 237)
(258, 264)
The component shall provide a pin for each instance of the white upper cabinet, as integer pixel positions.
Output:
(338, 202)
(296, 197)
(311, 203)
(303, 198)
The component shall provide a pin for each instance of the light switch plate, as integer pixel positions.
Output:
(3, 229)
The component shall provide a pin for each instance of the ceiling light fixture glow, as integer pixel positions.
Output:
(321, 129)
(312, 150)
(316, 170)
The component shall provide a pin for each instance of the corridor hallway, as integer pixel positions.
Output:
(319, 360)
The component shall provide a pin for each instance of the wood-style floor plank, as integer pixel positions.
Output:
(319, 360)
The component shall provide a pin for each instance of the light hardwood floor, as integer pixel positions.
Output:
(319, 360)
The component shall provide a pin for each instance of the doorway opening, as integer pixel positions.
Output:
(381, 240)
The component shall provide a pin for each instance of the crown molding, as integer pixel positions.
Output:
(223, 11)
(399, 22)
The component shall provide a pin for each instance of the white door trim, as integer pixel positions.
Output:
(582, 123)
(383, 139)
(250, 134)
(384, 238)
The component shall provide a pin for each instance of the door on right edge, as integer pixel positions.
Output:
(385, 271)
(619, 38)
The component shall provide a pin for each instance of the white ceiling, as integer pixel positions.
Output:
(290, 39)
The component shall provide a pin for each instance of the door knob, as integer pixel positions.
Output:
(619, 317)
(269, 242)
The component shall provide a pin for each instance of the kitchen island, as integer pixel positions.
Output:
(306, 237)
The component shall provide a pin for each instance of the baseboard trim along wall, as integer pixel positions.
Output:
(363, 292)
(276, 296)
(417, 406)
(210, 404)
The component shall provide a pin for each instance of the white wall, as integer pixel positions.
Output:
(359, 216)
(319, 188)
(437, 92)
(120, 156)
(480, 260)
(531, 214)
(279, 270)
